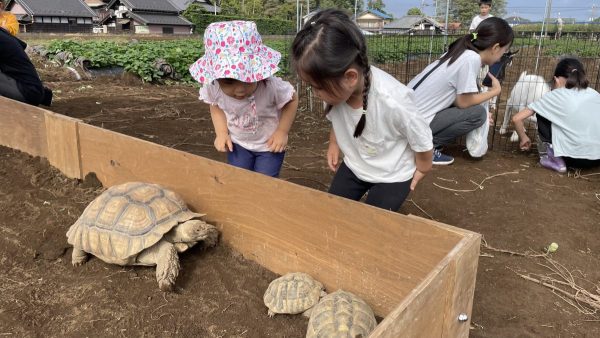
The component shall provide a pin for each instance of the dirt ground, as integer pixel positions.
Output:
(506, 196)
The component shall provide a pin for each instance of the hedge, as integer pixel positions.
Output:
(265, 26)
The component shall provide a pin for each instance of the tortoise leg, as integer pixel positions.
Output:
(78, 257)
(164, 255)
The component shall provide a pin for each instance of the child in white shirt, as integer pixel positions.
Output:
(448, 95)
(386, 144)
(485, 6)
(568, 120)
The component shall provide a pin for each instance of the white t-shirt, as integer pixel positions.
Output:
(575, 117)
(439, 90)
(251, 121)
(477, 20)
(394, 131)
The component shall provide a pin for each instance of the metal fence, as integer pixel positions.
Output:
(405, 56)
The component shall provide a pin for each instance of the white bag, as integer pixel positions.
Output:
(477, 139)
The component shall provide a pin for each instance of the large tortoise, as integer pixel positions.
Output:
(293, 293)
(139, 224)
(341, 315)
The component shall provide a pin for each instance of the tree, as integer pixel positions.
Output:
(414, 11)
(377, 5)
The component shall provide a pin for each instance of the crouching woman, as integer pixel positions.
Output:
(568, 120)
(18, 78)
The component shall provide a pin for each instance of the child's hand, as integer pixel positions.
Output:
(333, 156)
(496, 87)
(525, 143)
(278, 141)
(417, 176)
(223, 143)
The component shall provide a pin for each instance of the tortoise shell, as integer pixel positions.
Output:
(292, 293)
(341, 314)
(126, 219)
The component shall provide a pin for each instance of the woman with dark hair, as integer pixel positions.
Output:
(446, 91)
(568, 120)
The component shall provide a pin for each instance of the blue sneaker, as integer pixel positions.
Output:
(441, 159)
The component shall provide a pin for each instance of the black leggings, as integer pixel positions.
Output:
(545, 132)
(389, 196)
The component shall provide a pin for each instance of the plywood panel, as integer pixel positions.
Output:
(464, 274)
(382, 256)
(22, 127)
(421, 313)
(63, 144)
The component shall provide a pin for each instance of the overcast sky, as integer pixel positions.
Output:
(530, 9)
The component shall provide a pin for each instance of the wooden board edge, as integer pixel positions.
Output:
(62, 138)
(463, 271)
(22, 127)
(456, 298)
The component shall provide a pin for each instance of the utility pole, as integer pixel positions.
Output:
(546, 19)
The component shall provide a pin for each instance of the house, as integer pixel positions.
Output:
(207, 5)
(516, 20)
(146, 17)
(56, 16)
(413, 24)
(372, 20)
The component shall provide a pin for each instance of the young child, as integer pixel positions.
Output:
(568, 120)
(252, 110)
(447, 92)
(485, 6)
(386, 144)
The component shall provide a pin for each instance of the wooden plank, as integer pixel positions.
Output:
(464, 274)
(22, 127)
(381, 256)
(433, 308)
(420, 313)
(63, 144)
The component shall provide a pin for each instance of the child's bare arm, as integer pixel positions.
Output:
(278, 141)
(424, 161)
(470, 99)
(223, 141)
(518, 118)
(333, 152)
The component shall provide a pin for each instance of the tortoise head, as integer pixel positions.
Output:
(194, 230)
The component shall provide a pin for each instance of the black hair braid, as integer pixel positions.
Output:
(360, 126)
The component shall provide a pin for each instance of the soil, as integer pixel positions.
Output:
(506, 196)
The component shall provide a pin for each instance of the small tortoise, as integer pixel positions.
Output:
(139, 224)
(341, 314)
(293, 293)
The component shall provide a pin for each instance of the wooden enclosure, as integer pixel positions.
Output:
(417, 274)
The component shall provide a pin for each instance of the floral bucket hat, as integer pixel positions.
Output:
(234, 49)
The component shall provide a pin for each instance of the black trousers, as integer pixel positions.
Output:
(8, 88)
(389, 196)
(545, 133)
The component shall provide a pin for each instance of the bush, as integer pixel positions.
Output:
(265, 26)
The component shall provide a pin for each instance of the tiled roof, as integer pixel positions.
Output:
(158, 19)
(150, 5)
(68, 8)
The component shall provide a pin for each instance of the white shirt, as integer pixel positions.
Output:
(394, 131)
(477, 20)
(575, 117)
(439, 90)
(251, 121)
